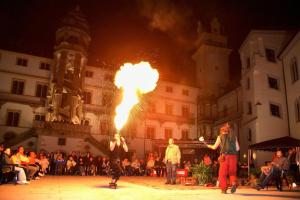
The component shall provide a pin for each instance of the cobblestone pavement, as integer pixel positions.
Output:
(131, 188)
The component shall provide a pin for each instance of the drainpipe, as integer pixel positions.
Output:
(286, 100)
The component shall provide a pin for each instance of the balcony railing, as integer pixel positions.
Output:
(62, 127)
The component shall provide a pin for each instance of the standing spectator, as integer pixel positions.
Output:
(228, 160)
(172, 159)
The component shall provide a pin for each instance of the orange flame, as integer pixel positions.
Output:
(133, 79)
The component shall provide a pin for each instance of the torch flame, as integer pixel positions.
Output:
(133, 79)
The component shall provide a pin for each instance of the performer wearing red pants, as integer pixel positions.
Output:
(227, 140)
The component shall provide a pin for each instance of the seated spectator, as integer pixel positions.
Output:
(71, 164)
(207, 160)
(44, 162)
(126, 167)
(7, 161)
(150, 165)
(275, 169)
(23, 161)
(135, 165)
(33, 161)
(98, 163)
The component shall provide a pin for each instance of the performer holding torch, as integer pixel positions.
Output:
(118, 147)
(227, 140)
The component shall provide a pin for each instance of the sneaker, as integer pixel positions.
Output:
(233, 189)
(37, 178)
(41, 174)
(25, 182)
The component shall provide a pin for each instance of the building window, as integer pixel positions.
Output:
(39, 117)
(169, 89)
(185, 92)
(168, 133)
(248, 84)
(45, 66)
(294, 70)
(273, 83)
(108, 77)
(17, 87)
(185, 111)
(248, 63)
(150, 133)
(249, 108)
(249, 135)
(87, 97)
(151, 107)
(89, 74)
(41, 90)
(297, 109)
(22, 62)
(169, 109)
(184, 134)
(107, 99)
(270, 54)
(275, 110)
(104, 128)
(62, 141)
(13, 118)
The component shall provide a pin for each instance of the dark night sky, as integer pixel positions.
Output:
(129, 30)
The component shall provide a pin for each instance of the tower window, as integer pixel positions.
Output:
(275, 110)
(248, 84)
(249, 110)
(273, 83)
(169, 109)
(294, 70)
(39, 117)
(297, 109)
(248, 63)
(270, 54)
(62, 141)
(249, 134)
(184, 134)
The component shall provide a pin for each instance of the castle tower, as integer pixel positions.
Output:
(212, 60)
(70, 57)
(212, 74)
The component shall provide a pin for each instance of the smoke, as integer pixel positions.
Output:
(172, 19)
